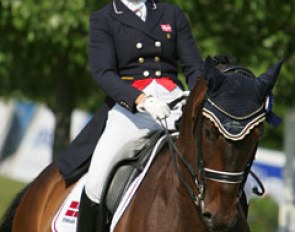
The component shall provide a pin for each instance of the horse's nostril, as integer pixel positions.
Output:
(207, 216)
(217, 222)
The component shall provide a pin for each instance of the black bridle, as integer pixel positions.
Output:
(200, 173)
(212, 174)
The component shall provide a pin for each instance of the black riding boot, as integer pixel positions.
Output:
(88, 217)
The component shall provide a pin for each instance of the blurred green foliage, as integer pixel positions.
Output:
(9, 189)
(263, 215)
(43, 51)
(43, 48)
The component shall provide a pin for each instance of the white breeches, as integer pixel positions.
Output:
(125, 134)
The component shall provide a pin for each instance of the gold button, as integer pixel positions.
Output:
(158, 44)
(157, 59)
(158, 73)
(146, 73)
(141, 60)
(139, 45)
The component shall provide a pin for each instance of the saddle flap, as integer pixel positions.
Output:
(124, 172)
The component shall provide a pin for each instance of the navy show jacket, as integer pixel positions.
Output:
(123, 48)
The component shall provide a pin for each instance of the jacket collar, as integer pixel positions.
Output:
(119, 7)
(126, 16)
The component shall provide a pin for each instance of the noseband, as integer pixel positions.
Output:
(224, 177)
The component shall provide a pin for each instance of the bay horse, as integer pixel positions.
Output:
(195, 182)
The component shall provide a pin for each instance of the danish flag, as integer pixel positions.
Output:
(166, 27)
(73, 209)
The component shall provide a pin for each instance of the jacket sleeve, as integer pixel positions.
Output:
(103, 66)
(190, 59)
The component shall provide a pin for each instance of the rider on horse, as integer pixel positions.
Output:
(135, 47)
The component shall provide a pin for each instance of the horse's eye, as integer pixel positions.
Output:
(208, 133)
(259, 131)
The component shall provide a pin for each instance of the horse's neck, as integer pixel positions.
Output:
(162, 190)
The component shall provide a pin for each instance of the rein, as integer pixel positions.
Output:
(175, 153)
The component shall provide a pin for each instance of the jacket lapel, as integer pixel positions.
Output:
(154, 15)
(127, 17)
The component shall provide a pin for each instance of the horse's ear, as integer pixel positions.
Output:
(267, 80)
(213, 76)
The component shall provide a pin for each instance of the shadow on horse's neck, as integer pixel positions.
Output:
(187, 140)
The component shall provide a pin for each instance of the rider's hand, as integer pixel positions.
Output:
(155, 107)
(186, 93)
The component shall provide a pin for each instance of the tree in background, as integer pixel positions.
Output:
(263, 215)
(43, 49)
(258, 33)
(43, 56)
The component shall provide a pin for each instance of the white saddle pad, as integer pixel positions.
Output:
(65, 219)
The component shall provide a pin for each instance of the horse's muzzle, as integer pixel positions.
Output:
(219, 223)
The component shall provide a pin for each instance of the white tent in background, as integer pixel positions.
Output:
(269, 166)
(35, 150)
(6, 113)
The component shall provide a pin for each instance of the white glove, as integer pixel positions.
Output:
(155, 107)
(186, 93)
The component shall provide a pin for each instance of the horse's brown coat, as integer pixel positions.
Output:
(41, 201)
